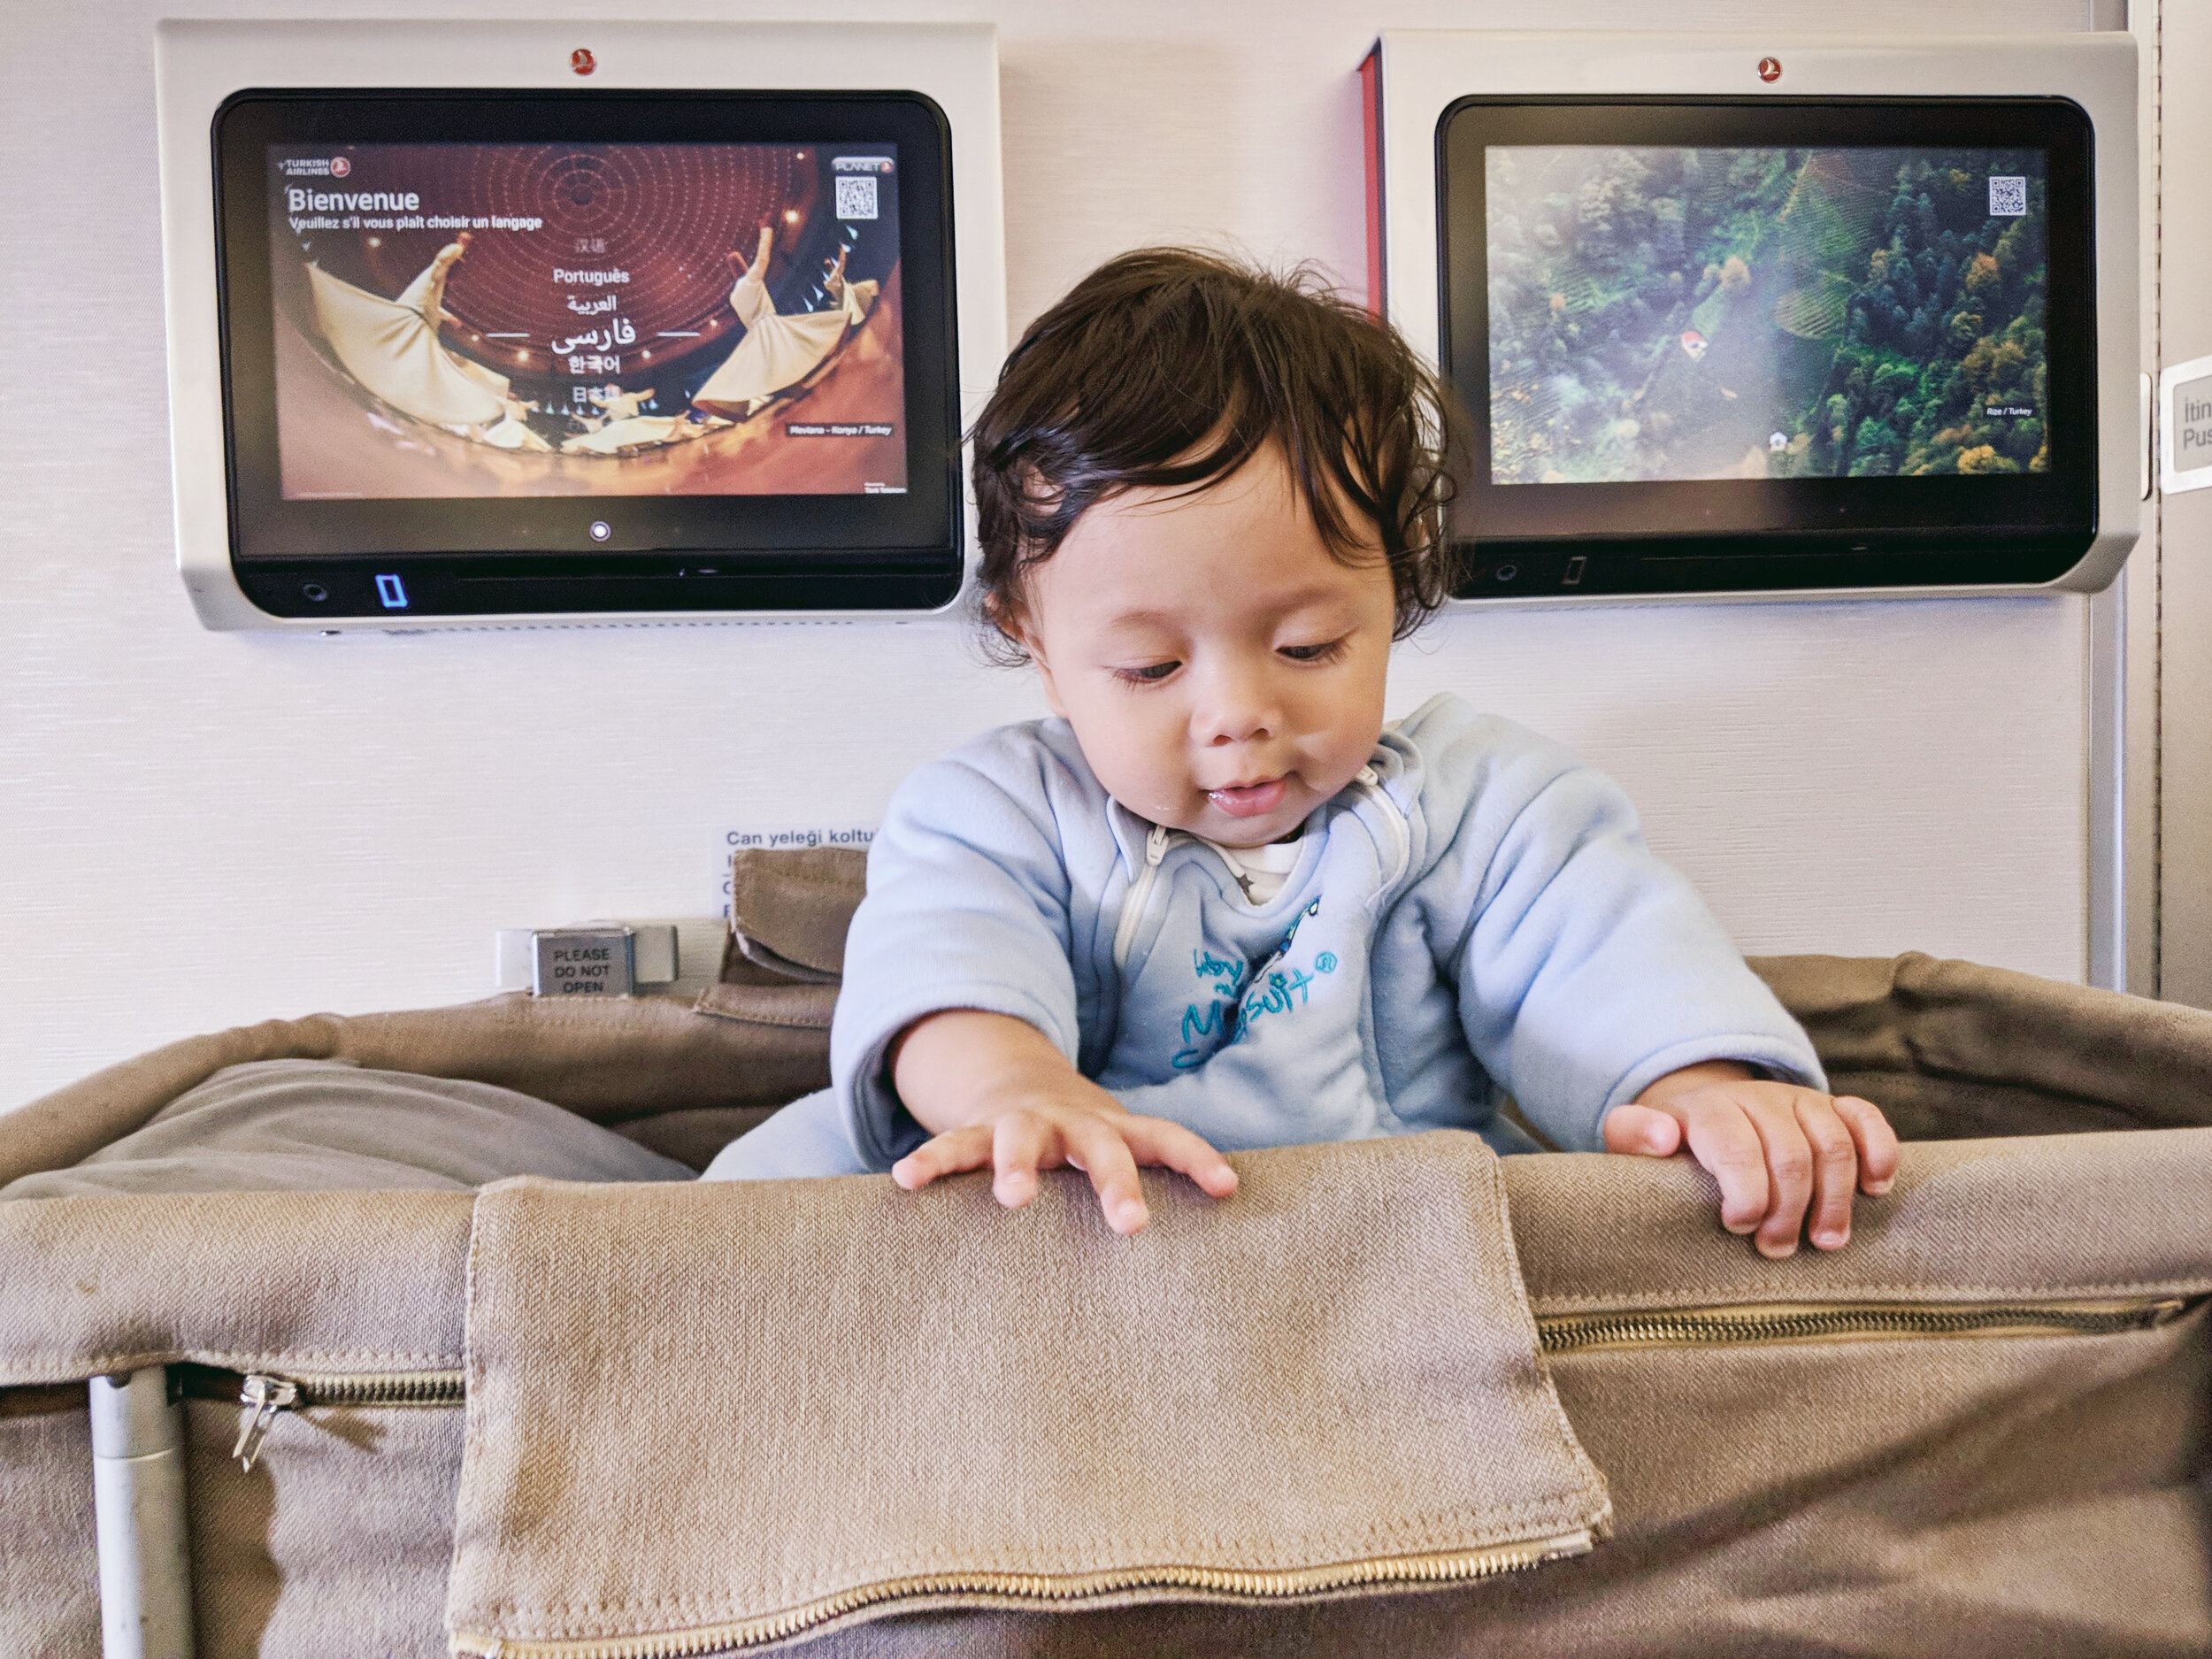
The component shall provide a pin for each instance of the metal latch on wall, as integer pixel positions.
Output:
(595, 959)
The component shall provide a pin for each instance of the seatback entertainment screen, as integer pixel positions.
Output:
(1697, 334)
(493, 351)
(1767, 313)
(599, 319)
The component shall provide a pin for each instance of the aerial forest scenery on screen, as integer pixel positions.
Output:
(1664, 313)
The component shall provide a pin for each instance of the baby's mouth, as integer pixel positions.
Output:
(1251, 799)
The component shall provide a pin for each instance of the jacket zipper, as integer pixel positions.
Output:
(1155, 845)
(1160, 837)
(1400, 834)
(1814, 1322)
(1400, 1571)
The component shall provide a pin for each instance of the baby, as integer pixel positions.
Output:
(1217, 902)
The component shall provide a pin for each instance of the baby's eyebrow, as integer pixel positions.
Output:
(1139, 618)
(1304, 599)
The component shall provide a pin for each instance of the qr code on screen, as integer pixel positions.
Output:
(2007, 197)
(856, 198)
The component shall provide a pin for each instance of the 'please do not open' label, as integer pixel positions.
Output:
(2185, 425)
(582, 962)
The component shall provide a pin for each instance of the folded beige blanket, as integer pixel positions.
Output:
(1331, 1385)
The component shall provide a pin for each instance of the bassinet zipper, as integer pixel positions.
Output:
(263, 1396)
(1812, 1322)
(1407, 1571)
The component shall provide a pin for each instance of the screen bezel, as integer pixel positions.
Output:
(1706, 535)
(472, 555)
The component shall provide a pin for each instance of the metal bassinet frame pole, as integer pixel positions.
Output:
(138, 1507)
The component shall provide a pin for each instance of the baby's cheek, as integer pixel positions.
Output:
(1142, 768)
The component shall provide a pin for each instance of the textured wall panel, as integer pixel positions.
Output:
(200, 829)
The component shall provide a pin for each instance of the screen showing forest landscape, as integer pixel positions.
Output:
(1676, 313)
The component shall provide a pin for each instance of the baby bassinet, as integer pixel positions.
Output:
(1548, 1394)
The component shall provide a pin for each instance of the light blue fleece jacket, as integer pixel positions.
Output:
(1476, 916)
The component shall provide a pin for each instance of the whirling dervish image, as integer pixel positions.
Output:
(624, 430)
(778, 350)
(514, 432)
(392, 348)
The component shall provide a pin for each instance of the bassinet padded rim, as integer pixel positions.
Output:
(1949, 1049)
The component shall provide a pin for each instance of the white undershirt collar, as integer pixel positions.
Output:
(1260, 871)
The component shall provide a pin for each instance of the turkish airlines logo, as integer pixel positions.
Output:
(582, 62)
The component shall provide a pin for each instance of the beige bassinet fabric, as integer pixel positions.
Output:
(789, 914)
(778, 1393)
(650, 1068)
(1954, 1049)
(329, 1126)
(328, 1283)
(2087, 1216)
(1950, 1497)
(1975, 1496)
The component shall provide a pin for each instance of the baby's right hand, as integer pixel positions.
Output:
(1105, 1143)
(1001, 1096)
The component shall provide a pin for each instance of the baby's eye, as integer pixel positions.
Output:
(1150, 674)
(1327, 651)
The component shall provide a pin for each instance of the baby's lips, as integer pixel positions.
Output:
(1251, 800)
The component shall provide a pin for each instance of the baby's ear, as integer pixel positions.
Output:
(1044, 678)
(1010, 620)
(1007, 617)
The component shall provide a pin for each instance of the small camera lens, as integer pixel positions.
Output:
(315, 592)
(601, 529)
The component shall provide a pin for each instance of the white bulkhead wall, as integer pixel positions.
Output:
(203, 829)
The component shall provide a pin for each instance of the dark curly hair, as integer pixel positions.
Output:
(1169, 369)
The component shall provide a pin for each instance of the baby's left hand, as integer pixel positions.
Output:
(1776, 1149)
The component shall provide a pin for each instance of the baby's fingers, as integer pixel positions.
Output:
(1791, 1164)
(1095, 1147)
(1642, 1132)
(1723, 1140)
(1835, 1170)
(1019, 1148)
(948, 1154)
(1876, 1142)
(1170, 1145)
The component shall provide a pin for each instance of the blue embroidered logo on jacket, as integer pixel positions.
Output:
(1238, 995)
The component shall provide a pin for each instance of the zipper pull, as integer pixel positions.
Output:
(263, 1396)
(1394, 817)
(1155, 845)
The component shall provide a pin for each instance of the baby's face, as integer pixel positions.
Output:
(1222, 671)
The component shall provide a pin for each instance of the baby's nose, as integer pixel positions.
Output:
(1241, 711)
(1227, 732)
